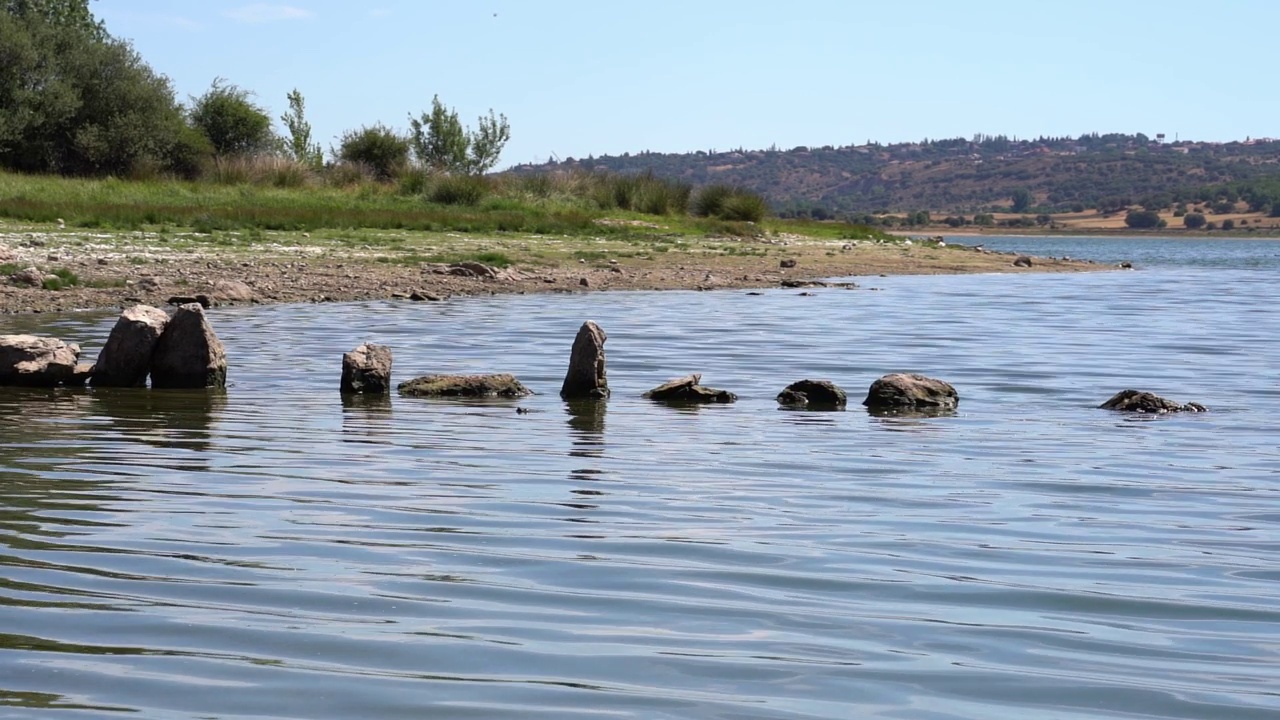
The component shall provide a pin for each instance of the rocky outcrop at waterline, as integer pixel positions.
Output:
(464, 386)
(689, 389)
(367, 369)
(32, 361)
(911, 392)
(125, 360)
(188, 353)
(1137, 401)
(813, 395)
(586, 377)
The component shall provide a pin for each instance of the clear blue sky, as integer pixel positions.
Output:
(603, 77)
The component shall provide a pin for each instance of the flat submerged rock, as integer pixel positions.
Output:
(495, 385)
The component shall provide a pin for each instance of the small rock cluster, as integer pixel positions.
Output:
(181, 351)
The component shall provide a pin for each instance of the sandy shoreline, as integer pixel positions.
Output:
(118, 269)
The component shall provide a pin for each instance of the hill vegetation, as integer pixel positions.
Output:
(984, 174)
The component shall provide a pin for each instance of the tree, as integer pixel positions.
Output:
(82, 102)
(1021, 200)
(1275, 209)
(382, 149)
(487, 143)
(441, 143)
(299, 145)
(231, 121)
(1228, 224)
(62, 14)
(1141, 219)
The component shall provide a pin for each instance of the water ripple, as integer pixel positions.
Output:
(276, 551)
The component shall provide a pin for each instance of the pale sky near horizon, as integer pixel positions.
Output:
(592, 78)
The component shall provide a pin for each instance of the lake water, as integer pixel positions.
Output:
(275, 552)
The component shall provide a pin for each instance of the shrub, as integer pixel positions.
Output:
(641, 192)
(460, 190)
(233, 124)
(348, 174)
(730, 203)
(1142, 219)
(1223, 207)
(710, 200)
(744, 207)
(1228, 224)
(381, 149)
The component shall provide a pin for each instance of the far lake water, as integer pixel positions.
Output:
(275, 552)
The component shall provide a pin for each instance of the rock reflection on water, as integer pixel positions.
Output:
(162, 418)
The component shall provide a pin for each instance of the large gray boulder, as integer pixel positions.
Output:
(32, 361)
(910, 391)
(816, 394)
(188, 354)
(497, 385)
(586, 377)
(1144, 402)
(367, 369)
(689, 389)
(126, 358)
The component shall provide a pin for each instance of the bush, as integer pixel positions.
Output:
(384, 151)
(642, 193)
(1228, 224)
(233, 124)
(1223, 207)
(730, 203)
(1142, 219)
(744, 207)
(460, 190)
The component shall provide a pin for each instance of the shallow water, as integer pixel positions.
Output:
(278, 552)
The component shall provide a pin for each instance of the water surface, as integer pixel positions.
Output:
(278, 552)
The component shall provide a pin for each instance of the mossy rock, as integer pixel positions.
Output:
(496, 385)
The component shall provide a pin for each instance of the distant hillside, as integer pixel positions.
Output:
(979, 175)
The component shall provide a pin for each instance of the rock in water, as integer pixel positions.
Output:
(909, 391)
(499, 385)
(367, 369)
(33, 361)
(586, 377)
(689, 389)
(813, 393)
(126, 358)
(188, 354)
(1145, 402)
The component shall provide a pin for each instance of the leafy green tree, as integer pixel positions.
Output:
(984, 220)
(62, 14)
(441, 143)
(1141, 219)
(81, 102)
(299, 145)
(490, 138)
(1228, 224)
(231, 121)
(1021, 200)
(382, 149)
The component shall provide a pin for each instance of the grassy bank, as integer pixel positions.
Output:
(573, 205)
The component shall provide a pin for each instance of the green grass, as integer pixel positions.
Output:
(643, 208)
(62, 278)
